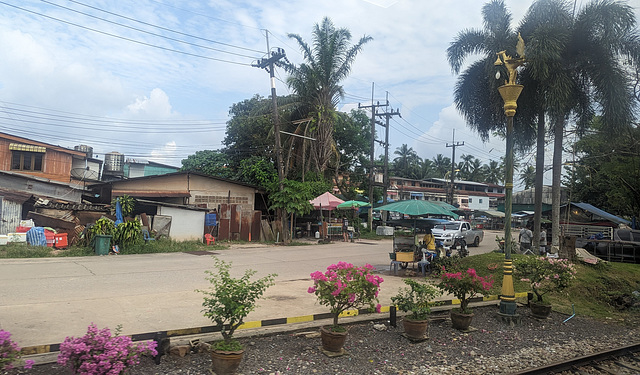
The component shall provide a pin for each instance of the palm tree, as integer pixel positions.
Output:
(577, 65)
(441, 165)
(493, 172)
(465, 165)
(476, 91)
(408, 162)
(317, 81)
(528, 176)
(475, 171)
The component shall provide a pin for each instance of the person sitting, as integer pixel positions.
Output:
(429, 241)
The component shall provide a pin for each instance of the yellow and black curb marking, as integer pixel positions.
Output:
(42, 349)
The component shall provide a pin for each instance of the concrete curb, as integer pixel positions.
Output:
(48, 353)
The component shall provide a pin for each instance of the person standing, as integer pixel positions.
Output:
(543, 241)
(525, 238)
(345, 229)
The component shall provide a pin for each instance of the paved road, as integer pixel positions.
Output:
(44, 300)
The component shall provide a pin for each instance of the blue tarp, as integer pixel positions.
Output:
(36, 237)
(119, 219)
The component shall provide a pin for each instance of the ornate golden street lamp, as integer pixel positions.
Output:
(510, 92)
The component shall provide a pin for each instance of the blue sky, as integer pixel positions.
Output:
(70, 78)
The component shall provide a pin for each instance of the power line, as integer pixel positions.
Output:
(165, 28)
(148, 32)
(125, 38)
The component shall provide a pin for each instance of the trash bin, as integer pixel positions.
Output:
(101, 244)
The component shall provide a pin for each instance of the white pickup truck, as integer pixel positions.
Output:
(446, 232)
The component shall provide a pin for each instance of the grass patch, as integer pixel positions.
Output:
(603, 291)
(22, 250)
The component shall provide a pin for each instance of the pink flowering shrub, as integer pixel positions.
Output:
(545, 274)
(98, 353)
(10, 352)
(344, 286)
(465, 285)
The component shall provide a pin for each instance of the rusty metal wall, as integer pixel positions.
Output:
(10, 216)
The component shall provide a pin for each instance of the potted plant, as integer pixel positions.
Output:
(344, 286)
(99, 353)
(227, 303)
(464, 285)
(544, 275)
(415, 300)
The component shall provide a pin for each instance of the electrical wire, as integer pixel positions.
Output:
(125, 38)
(148, 32)
(165, 28)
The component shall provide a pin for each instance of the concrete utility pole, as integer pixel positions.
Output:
(268, 63)
(385, 180)
(453, 144)
(373, 140)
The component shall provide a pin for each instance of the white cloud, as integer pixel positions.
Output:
(155, 106)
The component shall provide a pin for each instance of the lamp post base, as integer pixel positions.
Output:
(508, 313)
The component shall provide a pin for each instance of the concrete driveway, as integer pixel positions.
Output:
(44, 300)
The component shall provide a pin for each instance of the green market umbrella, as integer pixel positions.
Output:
(416, 207)
(352, 204)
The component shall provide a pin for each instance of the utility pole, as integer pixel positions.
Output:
(385, 180)
(453, 144)
(268, 63)
(371, 159)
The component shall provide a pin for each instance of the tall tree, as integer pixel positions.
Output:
(493, 172)
(210, 162)
(317, 82)
(441, 165)
(528, 176)
(407, 164)
(577, 62)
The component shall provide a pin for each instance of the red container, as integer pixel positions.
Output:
(60, 241)
(22, 229)
(50, 236)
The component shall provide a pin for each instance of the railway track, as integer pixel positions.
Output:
(619, 361)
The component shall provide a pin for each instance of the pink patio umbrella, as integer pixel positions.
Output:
(326, 201)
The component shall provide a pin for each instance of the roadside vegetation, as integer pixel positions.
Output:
(605, 291)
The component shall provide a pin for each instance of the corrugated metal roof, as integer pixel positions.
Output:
(152, 193)
(601, 213)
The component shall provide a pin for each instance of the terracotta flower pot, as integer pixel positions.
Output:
(332, 341)
(224, 362)
(539, 310)
(415, 329)
(461, 321)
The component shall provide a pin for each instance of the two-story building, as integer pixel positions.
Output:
(468, 195)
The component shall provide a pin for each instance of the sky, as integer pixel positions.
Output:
(154, 79)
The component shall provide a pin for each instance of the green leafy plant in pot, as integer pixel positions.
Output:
(544, 275)
(227, 302)
(416, 300)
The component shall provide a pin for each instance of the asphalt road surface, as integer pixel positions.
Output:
(44, 300)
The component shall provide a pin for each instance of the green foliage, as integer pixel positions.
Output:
(451, 264)
(249, 130)
(257, 171)
(103, 226)
(229, 300)
(607, 171)
(545, 274)
(127, 204)
(127, 234)
(293, 198)
(416, 299)
(212, 163)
